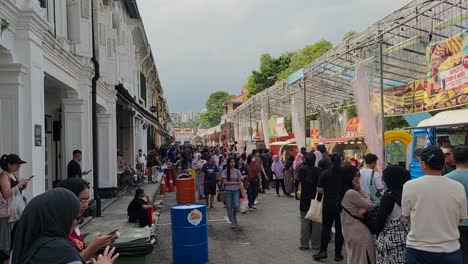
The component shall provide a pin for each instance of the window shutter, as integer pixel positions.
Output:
(85, 9)
(102, 34)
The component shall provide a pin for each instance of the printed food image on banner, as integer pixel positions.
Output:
(314, 137)
(272, 128)
(447, 73)
(446, 85)
(353, 129)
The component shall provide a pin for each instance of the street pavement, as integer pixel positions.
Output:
(268, 235)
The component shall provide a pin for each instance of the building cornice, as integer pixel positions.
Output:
(55, 53)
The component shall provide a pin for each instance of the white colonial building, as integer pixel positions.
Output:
(46, 73)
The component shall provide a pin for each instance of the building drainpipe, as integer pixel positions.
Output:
(94, 118)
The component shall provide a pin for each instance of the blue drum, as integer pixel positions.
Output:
(189, 234)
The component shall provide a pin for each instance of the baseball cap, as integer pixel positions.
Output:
(15, 159)
(432, 156)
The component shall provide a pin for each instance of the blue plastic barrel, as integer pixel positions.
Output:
(189, 234)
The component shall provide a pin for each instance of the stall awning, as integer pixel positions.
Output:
(123, 94)
(446, 118)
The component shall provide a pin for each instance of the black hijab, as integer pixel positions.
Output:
(42, 234)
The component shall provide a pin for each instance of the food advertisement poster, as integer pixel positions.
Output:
(446, 85)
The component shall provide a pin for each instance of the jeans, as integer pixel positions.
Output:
(416, 256)
(232, 203)
(310, 232)
(252, 193)
(331, 215)
(277, 185)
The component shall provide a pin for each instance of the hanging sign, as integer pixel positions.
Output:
(446, 85)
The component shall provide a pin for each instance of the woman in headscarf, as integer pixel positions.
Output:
(277, 168)
(43, 230)
(288, 175)
(298, 161)
(197, 165)
(308, 176)
(354, 203)
(392, 229)
(81, 189)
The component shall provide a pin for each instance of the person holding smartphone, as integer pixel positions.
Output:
(81, 189)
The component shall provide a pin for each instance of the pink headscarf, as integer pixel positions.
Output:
(298, 160)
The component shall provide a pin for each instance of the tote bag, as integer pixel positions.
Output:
(315, 210)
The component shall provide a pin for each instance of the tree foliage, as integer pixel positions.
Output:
(304, 57)
(268, 72)
(349, 34)
(212, 116)
(273, 69)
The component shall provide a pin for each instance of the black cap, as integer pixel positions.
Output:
(15, 159)
(432, 156)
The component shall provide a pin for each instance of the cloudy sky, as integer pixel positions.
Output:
(201, 46)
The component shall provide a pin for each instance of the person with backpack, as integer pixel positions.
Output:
(391, 228)
(371, 181)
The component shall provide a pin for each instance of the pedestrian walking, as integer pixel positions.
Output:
(278, 174)
(353, 203)
(209, 178)
(392, 228)
(197, 165)
(308, 176)
(460, 175)
(74, 166)
(329, 184)
(435, 206)
(42, 234)
(232, 178)
(254, 178)
(289, 175)
(81, 189)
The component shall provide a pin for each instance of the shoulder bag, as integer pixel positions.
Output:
(373, 192)
(4, 203)
(315, 210)
(369, 219)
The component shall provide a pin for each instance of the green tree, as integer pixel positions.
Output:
(349, 34)
(306, 56)
(267, 73)
(212, 116)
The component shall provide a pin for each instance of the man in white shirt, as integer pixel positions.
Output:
(434, 205)
(370, 179)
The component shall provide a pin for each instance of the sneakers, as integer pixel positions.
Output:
(320, 255)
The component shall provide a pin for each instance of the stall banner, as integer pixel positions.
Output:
(353, 129)
(446, 85)
(314, 137)
(280, 128)
(272, 128)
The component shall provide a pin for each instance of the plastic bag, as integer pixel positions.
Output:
(244, 205)
(16, 206)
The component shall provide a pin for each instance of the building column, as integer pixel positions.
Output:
(28, 99)
(107, 151)
(75, 133)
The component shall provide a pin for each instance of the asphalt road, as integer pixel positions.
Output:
(268, 235)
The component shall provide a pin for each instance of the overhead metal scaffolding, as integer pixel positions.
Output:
(403, 37)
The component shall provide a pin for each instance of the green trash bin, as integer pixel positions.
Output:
(134, 245)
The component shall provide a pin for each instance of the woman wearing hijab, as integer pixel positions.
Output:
(288, 175)
(43, 230)
(277, 168)
(296, 164)
(81, 189)
(197, 165)
(354, 203)
(392, 229)
(308, 176)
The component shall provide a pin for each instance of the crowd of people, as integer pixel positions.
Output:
(378, 216)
